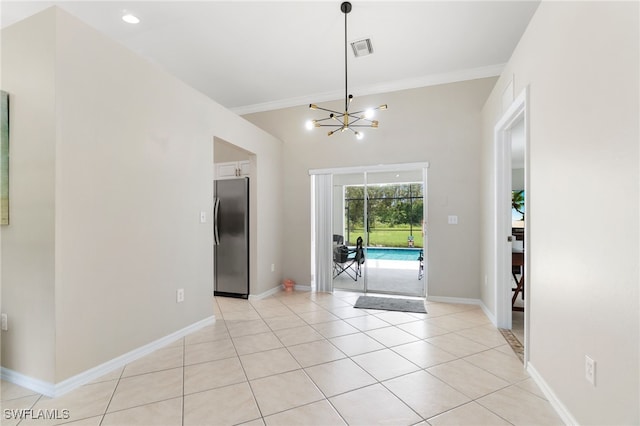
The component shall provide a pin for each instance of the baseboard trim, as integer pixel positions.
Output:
(36, 385)
(55, 390)
(555, 402)
(266, 294)
(278, 289)
(489, 314)
(460, 300)
(465, 301)
(299, 287)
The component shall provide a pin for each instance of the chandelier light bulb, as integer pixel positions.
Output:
(130, 19)
(346, 119)
(309, 125)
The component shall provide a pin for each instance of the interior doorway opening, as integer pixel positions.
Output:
(518, 228)
(511, 235)
(231, 162)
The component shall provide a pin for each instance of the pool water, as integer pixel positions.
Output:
(387, 253)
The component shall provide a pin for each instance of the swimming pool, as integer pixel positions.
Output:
(388, 253)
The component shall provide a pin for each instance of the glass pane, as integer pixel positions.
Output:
(394, 232)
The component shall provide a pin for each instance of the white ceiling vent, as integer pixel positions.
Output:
(362, 47)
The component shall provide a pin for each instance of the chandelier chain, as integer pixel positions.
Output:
(345, 120)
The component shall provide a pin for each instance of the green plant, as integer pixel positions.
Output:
(390, 236)
(517, 202)
(395, 212)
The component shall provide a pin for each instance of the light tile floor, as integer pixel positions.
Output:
(304, 358)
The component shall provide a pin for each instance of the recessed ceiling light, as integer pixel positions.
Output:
(130, 19)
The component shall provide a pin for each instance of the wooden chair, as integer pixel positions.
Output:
(517, 268)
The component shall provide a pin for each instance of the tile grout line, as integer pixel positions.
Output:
(32, 405)
(244, 371)
(184, 375)
(377, 381)
(382, 382)
(115, 388)
(303, 369)
(324, 305)
(439, 379)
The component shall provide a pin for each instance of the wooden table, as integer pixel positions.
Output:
(517, 261)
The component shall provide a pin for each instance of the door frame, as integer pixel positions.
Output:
(517, 111)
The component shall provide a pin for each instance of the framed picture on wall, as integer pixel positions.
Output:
(4, 158)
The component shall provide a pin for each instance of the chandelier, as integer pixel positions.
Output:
(346, 120)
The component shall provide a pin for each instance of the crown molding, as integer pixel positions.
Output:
(392, 86)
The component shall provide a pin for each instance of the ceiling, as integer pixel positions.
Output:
(254, 56)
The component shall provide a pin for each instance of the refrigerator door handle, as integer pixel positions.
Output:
(216, 207)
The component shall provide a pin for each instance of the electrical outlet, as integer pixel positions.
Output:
(180, 295)
(590, 369)
(5, 322)
(452, 220)
(203, 217)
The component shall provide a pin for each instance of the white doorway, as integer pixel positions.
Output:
(518, 210)
(511, 141)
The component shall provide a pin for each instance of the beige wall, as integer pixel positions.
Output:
(447, 137)
(106, 198)
(580, 61)
(28, 242)
(226, 152)
(517, 179)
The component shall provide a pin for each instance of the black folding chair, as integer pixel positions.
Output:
(349, 261)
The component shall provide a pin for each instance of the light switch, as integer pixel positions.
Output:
(203, 217)
(453, 220)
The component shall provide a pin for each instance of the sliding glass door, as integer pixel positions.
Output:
(378, 231)
(395, 240)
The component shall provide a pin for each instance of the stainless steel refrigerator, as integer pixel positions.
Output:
(231, 237)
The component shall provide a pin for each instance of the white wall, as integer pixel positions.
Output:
(28, 242)
(124, 161)
(517, 179)
(439, 125)
(581, 63)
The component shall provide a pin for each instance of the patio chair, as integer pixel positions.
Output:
(349, 261)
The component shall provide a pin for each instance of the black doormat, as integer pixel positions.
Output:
(391, 304)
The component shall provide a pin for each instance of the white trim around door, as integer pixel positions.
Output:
(514, 115)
